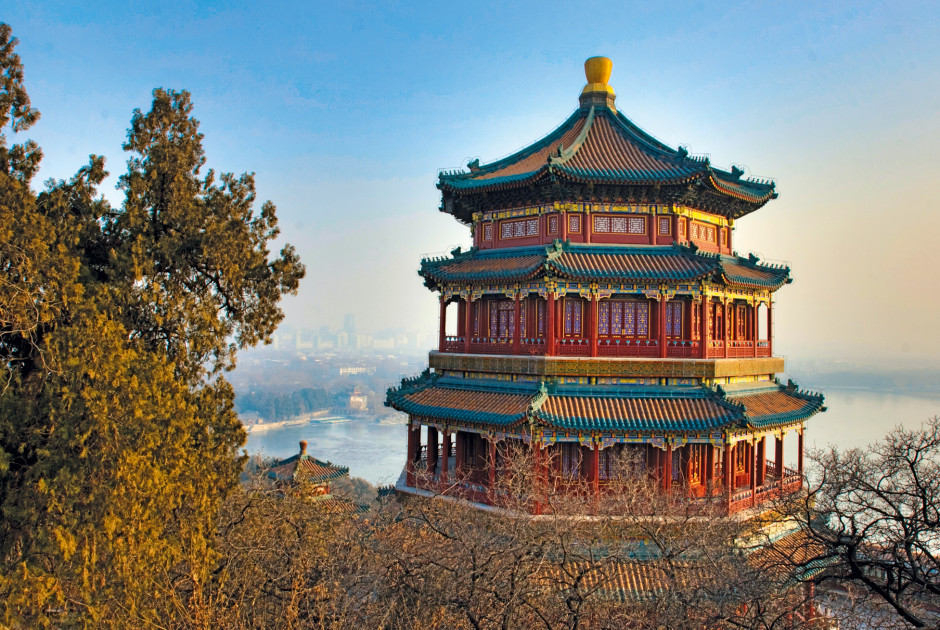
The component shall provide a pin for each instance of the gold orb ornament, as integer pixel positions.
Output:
(597, 69)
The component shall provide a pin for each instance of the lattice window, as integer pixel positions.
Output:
(571, 460)
(603, 319)
(574, 223)
(682, 228)
(741, 322)
(553, 224)
(493, 319)
(674, 320)
(523, 307)
(532, 227)
(601, 224)
(616, 316)
(642, 319)
(519, 228)
(664, 227)
(476, 317)
(724, 237)
(636, 225)
(505, 229)
(572, 317)
(507, 319)
(695, 463)
(487, 231)
(623, 318)
(618, 225)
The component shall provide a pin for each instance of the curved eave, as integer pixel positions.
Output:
(803, 405)
(448, 414)
(771, 278)
(751, 192)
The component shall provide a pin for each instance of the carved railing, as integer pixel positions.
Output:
(716, 348)
(574, 347)
(534, 345)
(682, 349)
(628, 348)
(740, 348)
(453, 344)
(763, 348)
(490, 345)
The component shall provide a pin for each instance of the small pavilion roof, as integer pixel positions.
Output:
(303, 467)
(601, 263)
(602, 408)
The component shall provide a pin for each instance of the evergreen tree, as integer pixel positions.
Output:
(118, 436)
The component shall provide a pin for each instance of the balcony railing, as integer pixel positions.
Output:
(628, 348)
(580, 347)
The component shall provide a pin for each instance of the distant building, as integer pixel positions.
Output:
(303, 471)
(352, 370)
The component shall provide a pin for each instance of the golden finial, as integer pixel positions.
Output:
(597, 71)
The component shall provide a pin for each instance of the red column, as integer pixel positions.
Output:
(458, 455)
(653, 228)
(443, 339)
(703, 337)
(667, 468)
(517, 329)
(754, 327)
(729, 470)
(596, 469)
(432, 450)
(491, 465)
(752, 458)
(414, 439)
(778, 457)
(762, 461)
(662, 326)
(550, 326)
(592, 324)
(445, 457)
(709, 467)
(770, 321)
(724, 327)
(799, 461)
(468, 324)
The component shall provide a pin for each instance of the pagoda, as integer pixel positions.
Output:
(602, 311)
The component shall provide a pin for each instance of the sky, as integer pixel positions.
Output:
(346, 112)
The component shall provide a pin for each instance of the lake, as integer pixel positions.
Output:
(376, 452)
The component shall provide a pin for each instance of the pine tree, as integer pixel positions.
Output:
(118, 436)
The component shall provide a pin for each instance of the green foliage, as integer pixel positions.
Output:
(273, 406)
(118, 436)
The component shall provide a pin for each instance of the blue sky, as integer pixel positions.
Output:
(346, 112)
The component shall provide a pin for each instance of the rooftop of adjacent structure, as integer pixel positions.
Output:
(599, 145)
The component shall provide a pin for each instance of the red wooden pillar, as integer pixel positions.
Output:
(596, 469)
(459, 450)
(491, 466)
(414, 440)
(445, 457)
(432, 450)
(724, 327)
(703, 325)
(799, 447)
(729, 470)
(468, 323)
(709, 467)
(754, 328)
(592, 324)
(752, 458)
(778, 457)
(762, 461)
(517, 328)
(667, 468)
(550, 313)
(770, 322)
(443, 340)
(662, 326)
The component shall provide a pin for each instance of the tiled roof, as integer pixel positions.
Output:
(603, 146)
(749, 273)
(634, 580)
(642, 409)
(475, 403)
(783, 405)
(632, 264)
(595, 263)
(307, 468)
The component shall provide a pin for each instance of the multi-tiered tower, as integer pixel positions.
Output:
(602, 308)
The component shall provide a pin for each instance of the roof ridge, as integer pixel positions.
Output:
(565, 154)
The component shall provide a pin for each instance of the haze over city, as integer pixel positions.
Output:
(346, 113)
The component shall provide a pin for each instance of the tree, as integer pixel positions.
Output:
(874, 518)
(118, 437)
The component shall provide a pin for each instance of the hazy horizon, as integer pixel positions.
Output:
(347, 114)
